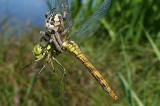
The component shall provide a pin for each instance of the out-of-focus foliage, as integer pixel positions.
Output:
(125, 48)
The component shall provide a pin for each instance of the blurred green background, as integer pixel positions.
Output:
(126, 48)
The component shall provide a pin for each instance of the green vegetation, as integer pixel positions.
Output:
(126, 48)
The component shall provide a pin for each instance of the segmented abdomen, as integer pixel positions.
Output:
(73, 48)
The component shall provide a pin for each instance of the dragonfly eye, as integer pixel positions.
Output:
(38, 52)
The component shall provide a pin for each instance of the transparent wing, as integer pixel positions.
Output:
(91, 24)
(54, 4)
(66, 6)
(50, 4)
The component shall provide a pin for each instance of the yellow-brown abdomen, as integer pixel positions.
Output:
(73, 48)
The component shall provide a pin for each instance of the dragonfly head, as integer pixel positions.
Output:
(40, 52)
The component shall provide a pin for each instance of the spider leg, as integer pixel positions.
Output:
(64, 32)
(59, 40)
(45, 36)
(65, 35)
(42, 33)
(53, 39)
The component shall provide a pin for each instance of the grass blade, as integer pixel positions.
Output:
(126, 88)
(154, 46)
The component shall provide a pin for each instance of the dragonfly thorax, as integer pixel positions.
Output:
(54, 23)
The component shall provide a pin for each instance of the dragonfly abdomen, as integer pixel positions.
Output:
(73, 48)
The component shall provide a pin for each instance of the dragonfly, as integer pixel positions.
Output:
(55, 39)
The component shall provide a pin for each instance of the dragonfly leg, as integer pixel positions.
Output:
(42, 69)
(51, 63)
(59, 40)
(62, 68)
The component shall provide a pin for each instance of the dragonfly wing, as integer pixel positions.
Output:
(54, 4)
(93, 21)
(49, 4)
(66, 6)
